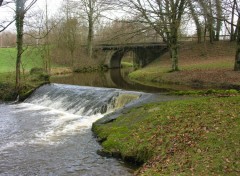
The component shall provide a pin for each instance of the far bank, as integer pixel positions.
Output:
(202, 66)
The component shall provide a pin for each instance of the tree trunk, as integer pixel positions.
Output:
(174, 57)
(211, 22)
(237, 56)
(47, 56)
(90, 29)
(174, 48)
(208, 16)
(90, 38)
(19, 26)
(219, 21)
(232, 35)
(196, 21)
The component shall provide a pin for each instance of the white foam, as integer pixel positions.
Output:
(59, 123)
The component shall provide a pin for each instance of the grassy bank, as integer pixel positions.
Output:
(31, 58)
(187, 137)
(201, 66)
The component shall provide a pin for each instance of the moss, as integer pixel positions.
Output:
(124, 99)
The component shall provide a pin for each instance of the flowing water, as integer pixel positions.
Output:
(50, 133)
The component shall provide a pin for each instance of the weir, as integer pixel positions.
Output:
(81, 100)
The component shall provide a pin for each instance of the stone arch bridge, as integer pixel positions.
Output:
(144, 53)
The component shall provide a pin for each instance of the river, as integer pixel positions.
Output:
(50, 132)
(114, 78)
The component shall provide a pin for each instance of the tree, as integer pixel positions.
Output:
(219, 16)
(164, 17)
(195, 16)
(91, 11)
(69, 34)
(4, 24)
(207, 11)
(233, 33)
(70, 28)
(21, 9)
(237, 56)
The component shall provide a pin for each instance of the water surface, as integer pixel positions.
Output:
(50, 133)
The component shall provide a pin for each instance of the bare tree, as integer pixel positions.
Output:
(233, 6)
(229, 12)
(207, 11)
(195, 16)
(218, 4)
(21, 10)
(91, 11)
(164, 17)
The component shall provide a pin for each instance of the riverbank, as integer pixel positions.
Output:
(185, 137)
(30, 82)
(202, 66)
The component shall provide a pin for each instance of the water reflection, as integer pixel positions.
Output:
(114, 78)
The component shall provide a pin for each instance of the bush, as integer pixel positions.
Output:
(36, 70)
(39, 74)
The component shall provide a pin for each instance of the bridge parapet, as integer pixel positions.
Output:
(130, 46)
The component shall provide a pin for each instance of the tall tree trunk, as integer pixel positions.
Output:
(47, 52)
(232, 34)
(208, 16)
(19, 25)
(219, 21)
(174, 49)
(237, 56)
(210, 23)
(90, 38)
(196, 21)
(90, 29)
(236, 31)
(174, 57)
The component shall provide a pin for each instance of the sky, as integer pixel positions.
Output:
(7, 12)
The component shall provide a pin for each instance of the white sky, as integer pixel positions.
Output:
(7, 12)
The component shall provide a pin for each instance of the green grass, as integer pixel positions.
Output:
(188, 137)
(126, 64)
(30, 58)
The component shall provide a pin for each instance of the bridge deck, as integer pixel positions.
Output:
(129, 46)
